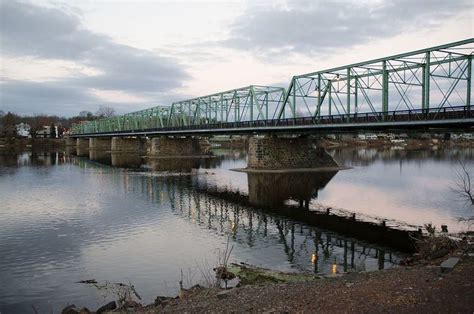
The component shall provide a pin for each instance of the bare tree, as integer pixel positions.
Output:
(85, 114)
(105, 112)
(463, 185)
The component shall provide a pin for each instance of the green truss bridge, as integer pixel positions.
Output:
(425, 89)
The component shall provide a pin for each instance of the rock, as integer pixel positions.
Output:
(107, 307)
(406, 261)
(131, 304)
(223, 294)
(71, 309)
(449, 264)
(196, 288)
(160, 300)
(223, 273)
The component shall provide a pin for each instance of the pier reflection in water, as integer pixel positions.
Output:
(275, 189)
(104, 157)
(126, 160)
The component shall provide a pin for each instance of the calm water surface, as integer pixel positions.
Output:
(65, 218)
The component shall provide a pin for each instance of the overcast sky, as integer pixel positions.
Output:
(62, 57)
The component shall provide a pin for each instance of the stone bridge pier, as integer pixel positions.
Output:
(100, 143)
(175, 147)
(283, 153)
(82, 147)
(128, 145)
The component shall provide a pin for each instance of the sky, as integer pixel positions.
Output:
(62, 57)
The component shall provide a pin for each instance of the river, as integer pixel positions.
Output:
(118, 218)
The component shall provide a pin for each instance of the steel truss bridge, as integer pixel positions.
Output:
(428, 88)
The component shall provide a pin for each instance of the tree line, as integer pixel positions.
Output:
(9, 121)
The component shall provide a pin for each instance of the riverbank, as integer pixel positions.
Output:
(427, 283)
(22, 143)
(402, 289)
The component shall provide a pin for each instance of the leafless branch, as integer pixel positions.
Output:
(463, 185)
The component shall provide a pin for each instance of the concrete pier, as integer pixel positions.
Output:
(175, 147)
(128, 144)
(281, 153)
(82, 142)
(100, 143)
(82, 146)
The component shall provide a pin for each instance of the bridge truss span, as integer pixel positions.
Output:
(426, 88)
(436, 77)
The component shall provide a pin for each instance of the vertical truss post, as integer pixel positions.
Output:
(293, 108)
(426, 81)
(356, 94)
(208, 110)
(348, 111)
(318, 108)
(266, 105)
(237, 106)
(222, 107)
(469, 81)
(227, 110)
(198, 111)
(330, 97)
(384, 87)
(251, 94)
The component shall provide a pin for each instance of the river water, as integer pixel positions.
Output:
(119, 218)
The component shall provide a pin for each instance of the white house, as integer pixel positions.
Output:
(23, 129)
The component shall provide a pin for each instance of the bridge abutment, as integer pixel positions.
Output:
(128, 144)
(277, 153)
(175, 147)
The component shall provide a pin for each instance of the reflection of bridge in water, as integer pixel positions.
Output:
(305, 247)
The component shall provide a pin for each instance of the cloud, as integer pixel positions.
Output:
(320, 27)
(54, 98)
(58, 98)
(56, 34)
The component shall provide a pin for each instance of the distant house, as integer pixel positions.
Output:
(44, 132)
(23, 129)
